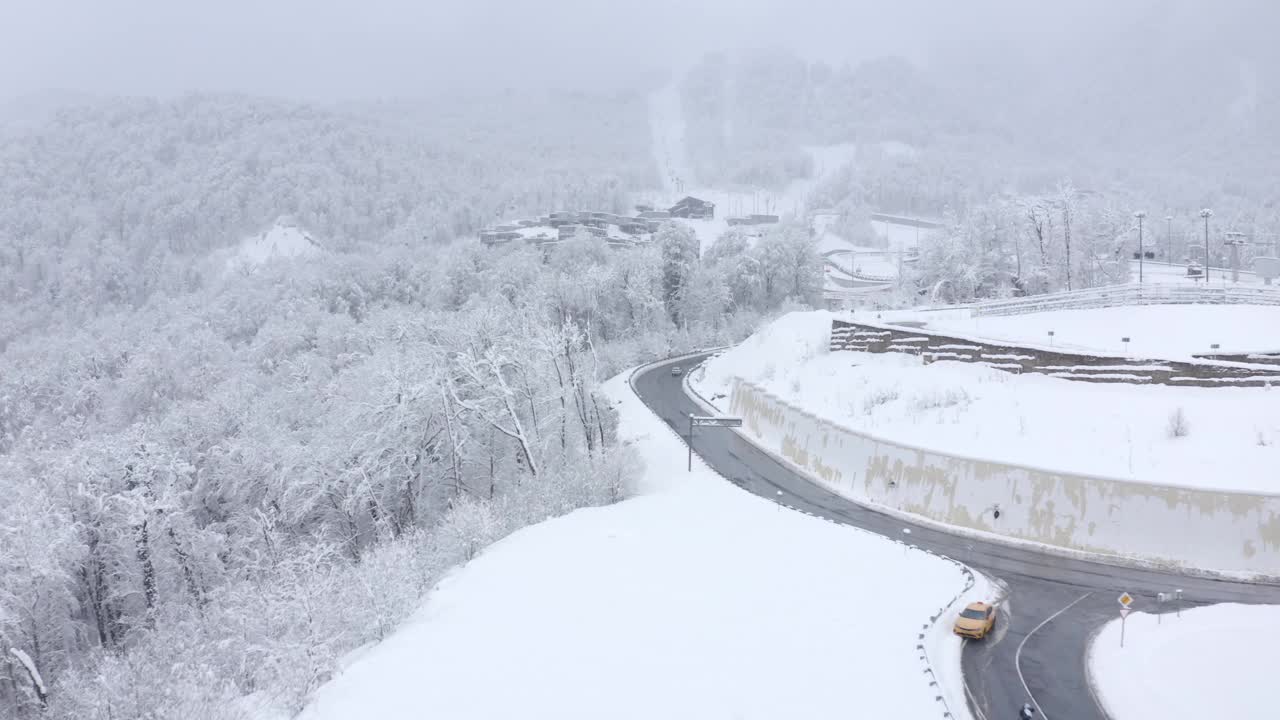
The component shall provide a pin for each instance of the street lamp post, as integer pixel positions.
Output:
(1168, 237)
(1206, 214)
(1141, 254)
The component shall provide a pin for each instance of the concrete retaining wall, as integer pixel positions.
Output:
(1180, 527)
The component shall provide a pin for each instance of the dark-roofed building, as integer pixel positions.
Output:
(692, 207)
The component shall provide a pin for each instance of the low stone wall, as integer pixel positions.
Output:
(931, 347)
(1165, 525)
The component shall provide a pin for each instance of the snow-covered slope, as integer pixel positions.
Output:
(1211, 662)
(693, 600)
(1117, 431)
(284, 239)
(666, 120)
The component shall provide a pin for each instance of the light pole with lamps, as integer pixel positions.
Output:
(1206, 214)
(1140, 215)
(1168, 237)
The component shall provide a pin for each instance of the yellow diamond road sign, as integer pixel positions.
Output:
(1126, 599)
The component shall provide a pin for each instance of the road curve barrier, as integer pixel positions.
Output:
(1171, 527)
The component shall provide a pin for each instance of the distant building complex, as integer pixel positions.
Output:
(617, 230)
(693, 208)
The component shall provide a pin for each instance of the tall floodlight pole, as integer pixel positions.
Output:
(1168, 236)
(1206, 214)
(1140, 215)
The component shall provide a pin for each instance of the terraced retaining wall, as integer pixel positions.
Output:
(1257, 358)
(1164, 525)
(931, 347)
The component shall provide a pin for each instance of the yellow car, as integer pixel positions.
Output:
(976, 620)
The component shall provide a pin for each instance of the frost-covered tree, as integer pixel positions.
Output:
(680, 257)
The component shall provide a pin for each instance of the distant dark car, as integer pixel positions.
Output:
(676, 370)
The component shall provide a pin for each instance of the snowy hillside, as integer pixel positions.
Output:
(671, 153)
(694, 600)
(283, 240)
(1119, 431)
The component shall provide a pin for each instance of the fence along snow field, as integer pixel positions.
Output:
(1131, 294)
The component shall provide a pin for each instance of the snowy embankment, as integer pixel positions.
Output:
(1231, 439)
(900, 237)
(693, 600)
(1212, 662)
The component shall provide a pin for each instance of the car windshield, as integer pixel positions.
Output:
(973, 614)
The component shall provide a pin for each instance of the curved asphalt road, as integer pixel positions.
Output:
(1053, 606)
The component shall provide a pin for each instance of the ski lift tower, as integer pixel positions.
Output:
(1235, 240)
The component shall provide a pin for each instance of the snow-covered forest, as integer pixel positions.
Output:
(219, 479)
(119, 200)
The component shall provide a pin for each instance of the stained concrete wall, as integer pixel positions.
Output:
(1187, 528)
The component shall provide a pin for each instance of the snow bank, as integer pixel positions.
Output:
(1161, 331)
(1114, 431)
(694, 600)
(1212, 662)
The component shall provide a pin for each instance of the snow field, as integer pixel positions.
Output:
(1158, 331)
(1212, 662)
(968, 410)
(693, 600)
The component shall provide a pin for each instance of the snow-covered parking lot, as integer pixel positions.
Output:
(693, 600)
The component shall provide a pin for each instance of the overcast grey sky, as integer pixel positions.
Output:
(350, 48)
